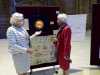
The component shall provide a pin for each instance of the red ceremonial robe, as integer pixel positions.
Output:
(64, 46)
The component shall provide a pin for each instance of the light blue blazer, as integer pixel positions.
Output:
(18, 40)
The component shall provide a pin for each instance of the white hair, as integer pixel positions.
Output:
(62, 17)
(16, 16)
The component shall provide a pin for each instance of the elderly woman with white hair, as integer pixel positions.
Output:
(63, 43)
(18, 40)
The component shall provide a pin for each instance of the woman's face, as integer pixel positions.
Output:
(59, 22)
(20, 22)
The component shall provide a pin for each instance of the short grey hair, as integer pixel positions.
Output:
(62, 17)
(16, 16)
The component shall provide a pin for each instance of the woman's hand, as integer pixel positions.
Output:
(37, 33)
(68, 59)
(29, 50)
(55, 41)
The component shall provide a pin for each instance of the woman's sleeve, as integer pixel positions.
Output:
(11, 37)
(67, 42)
(32, 36)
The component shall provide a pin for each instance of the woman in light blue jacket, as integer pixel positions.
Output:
(18, 41)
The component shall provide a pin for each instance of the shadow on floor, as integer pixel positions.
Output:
(75, 70)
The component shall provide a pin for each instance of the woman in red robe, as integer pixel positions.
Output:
(63, 44)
